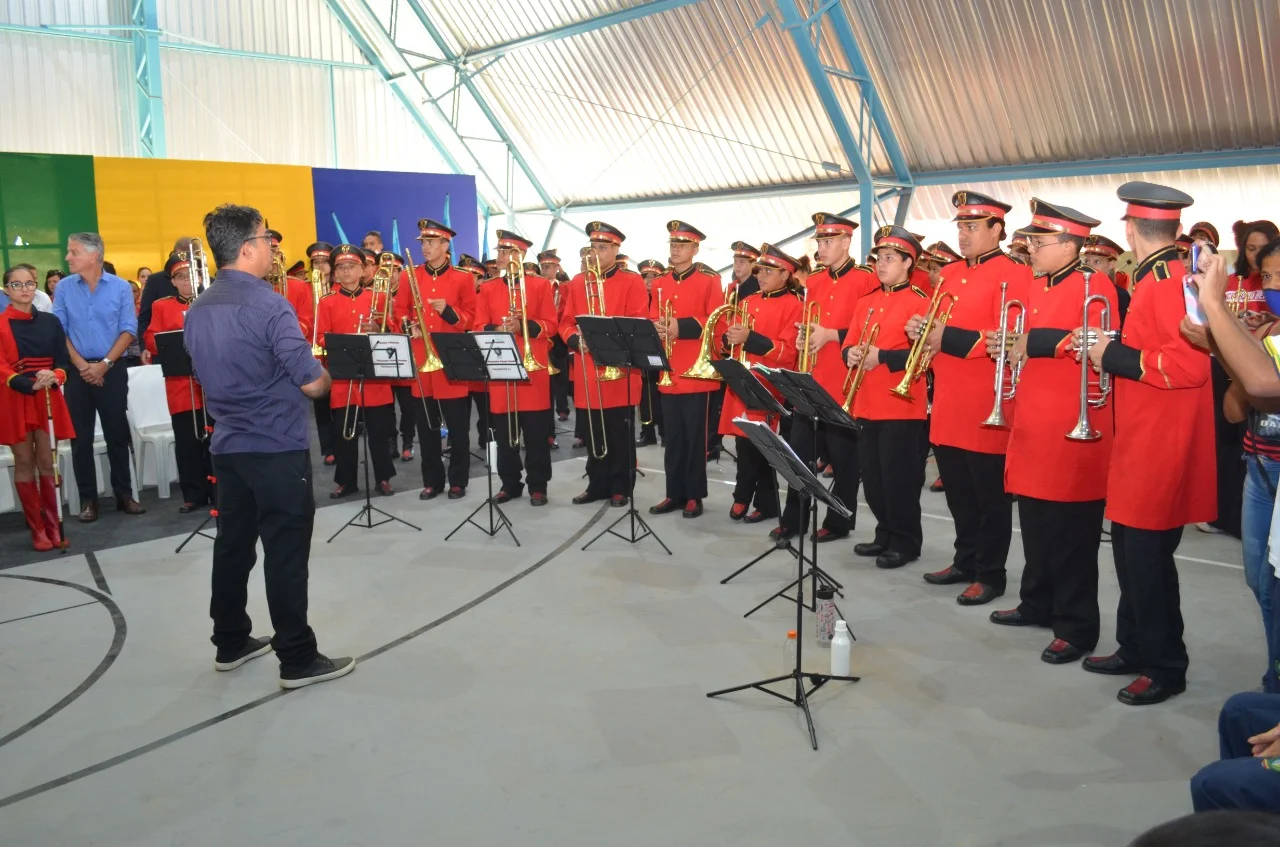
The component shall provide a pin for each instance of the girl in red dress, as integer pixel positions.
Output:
(33, 364)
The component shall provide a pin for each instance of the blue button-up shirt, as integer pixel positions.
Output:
(249, 355)
(93, 320)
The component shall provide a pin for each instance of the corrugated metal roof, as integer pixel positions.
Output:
(64, 12)
(303, 28)
(374, 130)
(472, 24)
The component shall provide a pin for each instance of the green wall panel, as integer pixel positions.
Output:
(43, 199)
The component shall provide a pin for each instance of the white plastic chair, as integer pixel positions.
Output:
(152, 428)
(8, 490)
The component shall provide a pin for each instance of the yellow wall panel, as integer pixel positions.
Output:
(144, 205)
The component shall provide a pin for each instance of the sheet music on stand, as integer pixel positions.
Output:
(793, 469)
(502, 356)
(807, 397)
(392, 356)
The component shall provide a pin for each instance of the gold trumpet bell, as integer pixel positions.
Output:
(530, 363)
(610, 374)
(430, 360)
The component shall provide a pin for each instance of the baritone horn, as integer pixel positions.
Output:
(917, 359)
(997, 419)
(1083, 431)
(853, 380)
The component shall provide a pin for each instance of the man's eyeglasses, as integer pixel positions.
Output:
(1039, 244)
(255, 238)
(22, 286)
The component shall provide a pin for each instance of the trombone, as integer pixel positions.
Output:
(381, 285)
(997, 419)
(276, 276)
(811, 315)
(593, 288)
(917, 360)
(318, 290)
(1083, 431)
(431, 360)
(199, 268)
(517, 307)
(853, 380)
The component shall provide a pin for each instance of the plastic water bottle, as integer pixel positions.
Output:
(841, 643)
(826, 615)
(791, 650)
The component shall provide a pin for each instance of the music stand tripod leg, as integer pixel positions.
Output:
(498, 519)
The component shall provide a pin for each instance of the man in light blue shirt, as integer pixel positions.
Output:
(97, 313)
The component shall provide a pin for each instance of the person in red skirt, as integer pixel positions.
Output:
(769, 339)
(33, 364)
(185, 397)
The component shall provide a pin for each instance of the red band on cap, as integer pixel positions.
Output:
(775, 262)
(349, 257)
(178, 266)
(680, 235)
(1135, 210)
(1060, 225)
(975, 210)
(1100, 250)
(509, 242)
(604, 236)
(833, 229)
(323, 254)
(899, 245)
(434, 233)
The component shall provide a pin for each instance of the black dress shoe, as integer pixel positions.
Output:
(385, 489)
(1060, 652)
(693, 509)
(646, 441)
(665, 507)
(1111, 665)
(869, 548)
(187, 508)
(330, 460)
(586, 497)
(617, 501)
(538, 498)
(457, 492)
(757, 516)
(428, 493)
(891, 559)
(342, 491)
(947, 576)
(825, 535)
(88, 512)
(782, 533)
(504, 496)
(129, 506)
(978, 594)
(738, 511)
(1013, 617)
(1144, 691)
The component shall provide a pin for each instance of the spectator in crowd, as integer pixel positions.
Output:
(372, 241)
(158, 285)
(143, 274)
(1215, 829)
(51, 280)
(98, 317)
(41, 302)
(1247, 776)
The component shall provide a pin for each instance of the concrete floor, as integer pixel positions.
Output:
(547, 696)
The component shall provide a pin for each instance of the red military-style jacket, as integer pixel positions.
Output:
(964, 376)
(458, 289)
(836, 294)
(1162, 474)
(890, 309)
(920, 279)
(624, 296)
(1041, 462)
(340, 313)
(301, 298)
(493, 303)
(772, 343)
(168, 315)
(693, 296)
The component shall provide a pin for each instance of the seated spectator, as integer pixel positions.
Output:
(1247, 776)
(51, 280)
(1215, 829)
(143, 274)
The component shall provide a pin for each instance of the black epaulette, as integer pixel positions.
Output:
(166, 297)
(1160, 270)
(920, 291)
(866, 268)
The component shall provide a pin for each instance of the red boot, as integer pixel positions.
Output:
(29, 494)
(52, 509)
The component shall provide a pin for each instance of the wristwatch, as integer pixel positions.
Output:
(109, 363)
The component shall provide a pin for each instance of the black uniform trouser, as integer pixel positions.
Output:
(1060, 580)
(892, 476)
(457, 417)
(1228, 442)
(481, 399)
(650, 404)
(108, 402)
(408, 418)
(841, 446)
(983, 512)
(560, 381)
(324, 424)
(612, 428)
(757, 481)
(194, 464)
(714, 440)
(685, 457)
(536, 426)
(267, 496)
(381, 422)
(1149, 616)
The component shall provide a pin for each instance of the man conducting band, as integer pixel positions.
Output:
(683, 299)
(448, 299)
(507, 304)
(1056, 468)
(1161, 478)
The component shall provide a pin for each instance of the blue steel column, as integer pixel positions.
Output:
(145, 37)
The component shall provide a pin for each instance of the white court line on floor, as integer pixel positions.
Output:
(949, 519)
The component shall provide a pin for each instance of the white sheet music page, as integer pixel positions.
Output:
(503, 356)
(392, 356)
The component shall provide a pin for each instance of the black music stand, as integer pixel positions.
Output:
(809, 400)
(633, 344)
(351, 357)
(486, 357)
(798, 475)
(172, 356)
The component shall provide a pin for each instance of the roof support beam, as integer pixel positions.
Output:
(148, 94)
(443, 46)
(642, 10)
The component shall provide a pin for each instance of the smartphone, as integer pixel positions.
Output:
(1190, 292)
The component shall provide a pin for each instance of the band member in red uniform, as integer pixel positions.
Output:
(297, 291)
(549, 267)
(606, 405)
(650, 405)
(353, 309)
(1161, 478)
(33, 364)
(408, 406)
(1019, 250)
(529, 404)
(318, 255)
(691, 295)
(773, 310)
(1060, 482)
(970, 456)
(835, 290)
(744, 280)
(191, 423)
(889, 427)
(448, 297)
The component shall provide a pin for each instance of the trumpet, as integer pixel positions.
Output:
(997, 420)
(1083, 431)
(431, 360)
(917, 360)
(318, 290)
(811, 315)
(853, 380)
(668, 313)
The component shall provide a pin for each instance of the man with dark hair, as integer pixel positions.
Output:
(98, 317)
(257, 371)
(51, 280)
(373, 242)
(158, 285)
